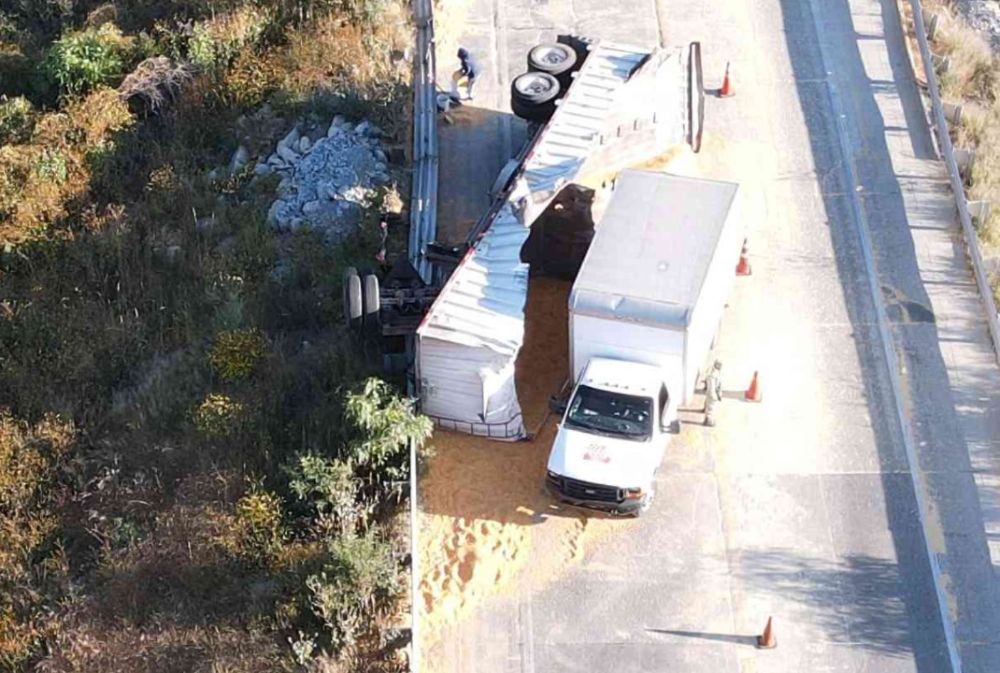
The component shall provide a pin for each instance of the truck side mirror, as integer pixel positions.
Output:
(558, 405)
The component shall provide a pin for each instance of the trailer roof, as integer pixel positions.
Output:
(652, 248)
(482, 304)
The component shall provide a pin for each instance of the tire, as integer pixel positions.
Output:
(371, 304)
(353, 306)
(533, 96)
(554, 58)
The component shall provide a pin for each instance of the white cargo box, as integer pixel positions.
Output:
(656, 278)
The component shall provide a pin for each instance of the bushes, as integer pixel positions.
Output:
(80, 61)
(153, 305)
(216, 42)
(32, 569)
(235, 353)
(329, 489)
(357, 585)
(219, 416)
(260, 532)
(17, 119)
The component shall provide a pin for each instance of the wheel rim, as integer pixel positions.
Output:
(532, 84)
(549, 55)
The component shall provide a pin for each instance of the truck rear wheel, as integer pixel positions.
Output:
(533, 96)
(371, 304)
(554, 58)
(353, 305)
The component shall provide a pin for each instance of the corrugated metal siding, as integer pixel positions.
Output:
(482, 305)
(483, 302)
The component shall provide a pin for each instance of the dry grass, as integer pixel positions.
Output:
(110, 300)
(40, 178)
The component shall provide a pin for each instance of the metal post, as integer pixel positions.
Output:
(414, 565)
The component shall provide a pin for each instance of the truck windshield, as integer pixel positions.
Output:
(611, 413)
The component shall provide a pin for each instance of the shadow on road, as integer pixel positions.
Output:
(873, 586)
(704, 635)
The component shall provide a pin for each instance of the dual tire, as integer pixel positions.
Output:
(533, 95)
(362, 306)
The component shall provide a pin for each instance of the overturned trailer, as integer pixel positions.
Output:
(622, 106)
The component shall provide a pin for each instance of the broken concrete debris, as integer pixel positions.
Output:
(325, 179)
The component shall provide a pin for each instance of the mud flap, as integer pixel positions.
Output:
(695, 96)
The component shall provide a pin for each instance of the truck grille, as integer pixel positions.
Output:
(584, 490)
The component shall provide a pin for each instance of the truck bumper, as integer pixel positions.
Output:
(622, 508)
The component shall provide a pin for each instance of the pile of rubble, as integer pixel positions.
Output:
(325, 179)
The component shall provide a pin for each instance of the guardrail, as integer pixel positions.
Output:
(957, 184)
(423, 229)
(423, 190)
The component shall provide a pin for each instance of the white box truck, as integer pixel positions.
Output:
(643, 315)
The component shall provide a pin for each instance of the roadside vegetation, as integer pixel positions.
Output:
(972, 78)
(198, 471)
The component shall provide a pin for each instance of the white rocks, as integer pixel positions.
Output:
(291, 139)
(240, 159)
(287, 153)
(326, 182)
(335, 126)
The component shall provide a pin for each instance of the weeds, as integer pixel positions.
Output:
(81, 61)
(192, 350)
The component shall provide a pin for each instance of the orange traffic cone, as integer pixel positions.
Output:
(753, 393)
(767, 640)
(743, 267)
(726, 90)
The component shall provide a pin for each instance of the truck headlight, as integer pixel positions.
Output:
(633, 493)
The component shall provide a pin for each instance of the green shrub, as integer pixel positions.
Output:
(219, 416)
(364, 12)
(358, 584)
(235, 353)
(258, 516)
(384, 425)
(328, 488)
(17, 119)
(214, 43)
(80, 61)
(51, 165)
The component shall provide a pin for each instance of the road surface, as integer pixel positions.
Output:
(801, 507)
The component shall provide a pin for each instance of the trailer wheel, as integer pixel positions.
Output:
(353, 306)
(371, 304)
(533, 96)
(554, 58)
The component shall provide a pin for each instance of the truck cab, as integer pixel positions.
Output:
(612, 437)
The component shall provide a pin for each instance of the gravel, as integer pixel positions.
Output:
(325, 180)
(984, 17)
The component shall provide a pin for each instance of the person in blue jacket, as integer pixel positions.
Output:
(467, 73)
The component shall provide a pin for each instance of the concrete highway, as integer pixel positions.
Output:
(801, 507)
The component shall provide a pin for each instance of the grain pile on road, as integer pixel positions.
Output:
(485, 520)
(486, 524)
